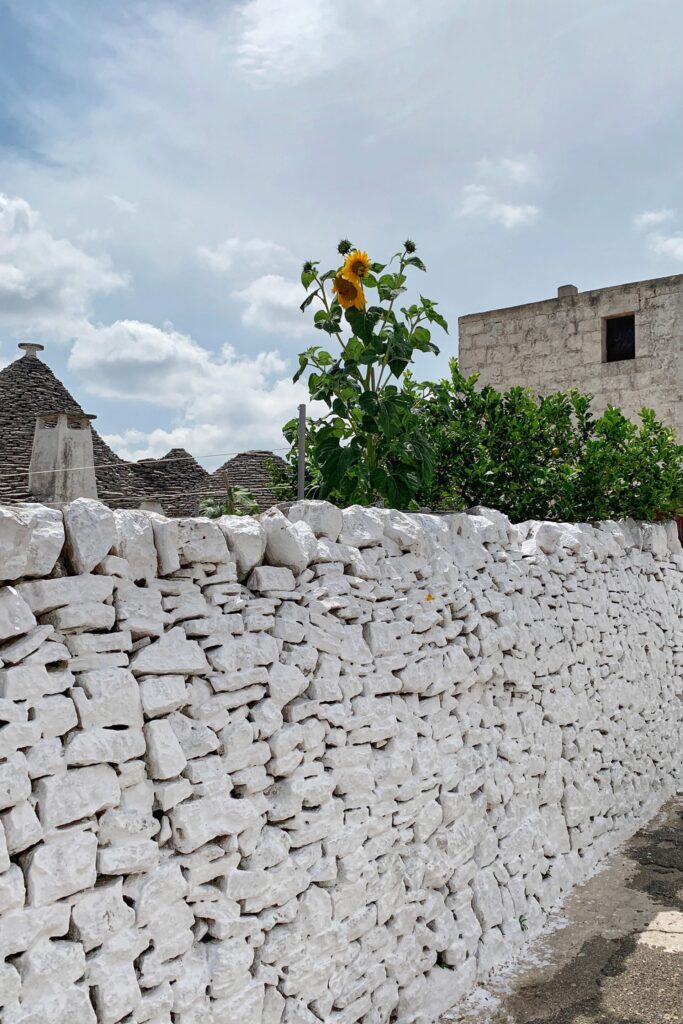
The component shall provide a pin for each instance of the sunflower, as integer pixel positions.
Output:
(349, 291)
(356, 264)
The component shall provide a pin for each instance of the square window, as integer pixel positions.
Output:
(620, 338)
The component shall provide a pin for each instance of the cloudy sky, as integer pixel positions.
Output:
(166, 165)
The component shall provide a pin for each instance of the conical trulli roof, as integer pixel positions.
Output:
(177, 481)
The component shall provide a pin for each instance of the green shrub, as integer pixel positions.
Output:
(545, 458)
(238, 501)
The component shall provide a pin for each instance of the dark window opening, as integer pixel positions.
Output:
(620, 338)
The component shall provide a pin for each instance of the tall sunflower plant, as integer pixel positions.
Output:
(370, 446)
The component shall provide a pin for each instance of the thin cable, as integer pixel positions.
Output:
(161, 461)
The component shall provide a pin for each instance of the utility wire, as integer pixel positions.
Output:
(144, 463)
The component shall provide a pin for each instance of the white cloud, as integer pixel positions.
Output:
(235, 255)
(46, 283)
(283, 41)
(479, 201)
(651, 218)
(667, 245)
(272, 304)
(124, 205)
(222, 402)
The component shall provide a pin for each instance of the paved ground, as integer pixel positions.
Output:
(619, 960)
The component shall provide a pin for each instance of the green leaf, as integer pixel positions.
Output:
(415, 261)
(308, 300)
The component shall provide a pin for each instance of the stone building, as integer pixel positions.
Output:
(622, 344)
(48, 450)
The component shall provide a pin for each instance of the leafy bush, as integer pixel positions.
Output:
(451, 444)
(545, 458)
(238, 501)
(369, 446)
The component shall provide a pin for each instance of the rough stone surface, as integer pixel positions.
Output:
(247, 541)
(330, 791)
(90, 533)
(558, 344)
(16, 617)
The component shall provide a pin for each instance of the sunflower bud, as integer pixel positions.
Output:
(344, 247)
(409, 245)
(308, 267)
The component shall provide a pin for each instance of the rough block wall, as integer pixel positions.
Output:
(556, 344)
(331, 767)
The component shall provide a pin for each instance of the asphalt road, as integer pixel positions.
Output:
(619, 960)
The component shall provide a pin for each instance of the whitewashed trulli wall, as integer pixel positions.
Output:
(330, 767)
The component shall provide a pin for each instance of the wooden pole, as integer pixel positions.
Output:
(301, 482)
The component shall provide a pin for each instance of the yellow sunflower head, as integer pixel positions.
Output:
(349, 291)
(357, 264)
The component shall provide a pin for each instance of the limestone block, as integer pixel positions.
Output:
(10, 985)
(81, 616)
(77, 794)
(286, 547)
(246, 541)
(161, 888)
(166, 542)
(45, 758)
(201, 540)
(101, 914)
(324, 519)
(139, 610)
(135, 542)
(165, 758)
(16, 650)
(51, 964)
(112, 565)
(114, 988)
(486, 899)
(173, 653)
(60, 867)
(15, 784)
(98, 745)
(162, 694)
(266, 578)
(15, 536)
(195, 738)
(4, 852)
(90, 533)
(285, 682)
(24, 927)
(361, 527)
(244, 652)
(197, 822)
(108, 697)
(46, 595)
(138, 856)
(97, 643)
(30, 682)
(656, 540)
(22, 828)
(16, 617)
(155, 1005)
(47, 538)
(12, 889)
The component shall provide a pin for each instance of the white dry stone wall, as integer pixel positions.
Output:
(330, 767)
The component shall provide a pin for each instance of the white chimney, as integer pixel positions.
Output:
(62, 459)
(31, 349)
